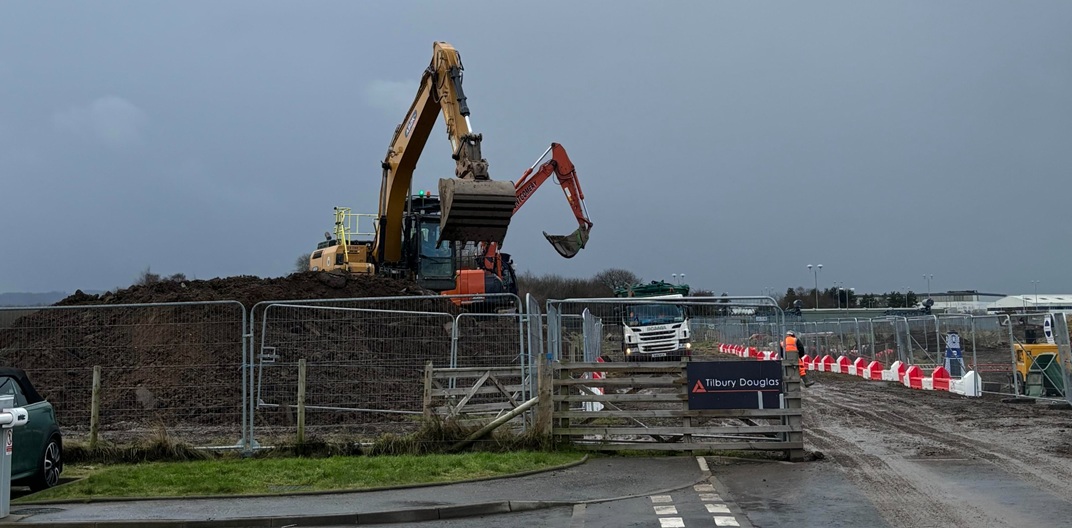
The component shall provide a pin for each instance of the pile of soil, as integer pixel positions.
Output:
(250, 290)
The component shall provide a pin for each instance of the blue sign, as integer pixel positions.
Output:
(954, 355)
(734, 384)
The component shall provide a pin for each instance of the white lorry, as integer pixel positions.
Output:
(655, 331)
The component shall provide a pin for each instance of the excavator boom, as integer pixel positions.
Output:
(475, 208)
(560, 165)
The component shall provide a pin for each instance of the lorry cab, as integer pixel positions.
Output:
(655, 330)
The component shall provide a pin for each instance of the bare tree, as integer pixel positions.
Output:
(614, 278)
(301, 263)
(147, 277)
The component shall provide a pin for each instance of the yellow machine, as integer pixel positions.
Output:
(343, 252)
(421, 236)
(1038, 369)
(473, 207)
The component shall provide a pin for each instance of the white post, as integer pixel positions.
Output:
(10, 416)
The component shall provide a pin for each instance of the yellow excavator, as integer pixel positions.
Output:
(417, 236)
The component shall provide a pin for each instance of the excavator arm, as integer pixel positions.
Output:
(560, 166)
(474, 208)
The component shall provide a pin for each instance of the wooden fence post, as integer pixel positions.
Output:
(545, 408)
(301, 401)
(686, 422)
(793, 388)
(94, 409)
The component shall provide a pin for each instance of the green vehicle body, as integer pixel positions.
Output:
(37, 446)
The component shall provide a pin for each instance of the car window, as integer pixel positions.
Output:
(8, 386)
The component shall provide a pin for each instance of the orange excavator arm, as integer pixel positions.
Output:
(562, 168)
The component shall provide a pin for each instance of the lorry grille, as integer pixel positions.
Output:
(658, 341)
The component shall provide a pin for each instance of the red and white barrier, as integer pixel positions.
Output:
(591, 406)
(908, 375)
(873, 371)
(748, 352)
(968, 385)
(896, 372)
(841, 365)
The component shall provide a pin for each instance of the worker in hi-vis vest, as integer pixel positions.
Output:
(792, 345)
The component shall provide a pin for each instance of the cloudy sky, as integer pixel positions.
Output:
(734, 143)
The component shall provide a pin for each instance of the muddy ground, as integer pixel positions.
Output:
(925, 458)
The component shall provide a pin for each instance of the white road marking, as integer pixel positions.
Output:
(725, 521)
(703, 464)
(704, 487)
(661, 498)
(577, 520)
(717, 508)
(671, 522)
(710, 497)
(666, 510)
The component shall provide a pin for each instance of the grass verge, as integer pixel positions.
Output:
(280, 475)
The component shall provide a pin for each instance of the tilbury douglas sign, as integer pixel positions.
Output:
(735, 384)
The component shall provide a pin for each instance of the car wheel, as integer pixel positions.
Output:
(49, 467)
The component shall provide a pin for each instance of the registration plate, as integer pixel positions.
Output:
(659, 354)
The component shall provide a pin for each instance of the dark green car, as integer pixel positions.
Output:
(37, 447)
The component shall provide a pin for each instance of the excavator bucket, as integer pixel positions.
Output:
(475, 210)
(568, 245)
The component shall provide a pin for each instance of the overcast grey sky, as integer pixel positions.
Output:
(732, 142)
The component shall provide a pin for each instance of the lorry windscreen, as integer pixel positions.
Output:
(650, 314)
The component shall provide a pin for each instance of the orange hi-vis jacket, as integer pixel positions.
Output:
(790, 345)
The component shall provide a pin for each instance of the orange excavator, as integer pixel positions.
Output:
(489, 270)
(566, 174)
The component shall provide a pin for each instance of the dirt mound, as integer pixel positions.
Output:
(250, 290)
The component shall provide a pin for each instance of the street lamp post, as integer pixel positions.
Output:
(928, 277)
(1035, 282)
(815, 272)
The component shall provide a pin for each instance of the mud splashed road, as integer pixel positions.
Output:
(906, 458)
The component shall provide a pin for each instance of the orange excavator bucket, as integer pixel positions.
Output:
(568, 245)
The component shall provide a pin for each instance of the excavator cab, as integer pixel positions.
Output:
(433, 263)
(475, 208)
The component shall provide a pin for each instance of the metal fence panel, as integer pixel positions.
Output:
(591, 337)
(364, 366)
(174, 367)
(1064, 350)
(536, 349)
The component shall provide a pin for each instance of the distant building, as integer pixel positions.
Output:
(965, 301)
(1030, 302)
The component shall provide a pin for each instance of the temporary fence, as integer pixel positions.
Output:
(213, 374)
(365, 360)
(131, 372)
(1009, 352)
